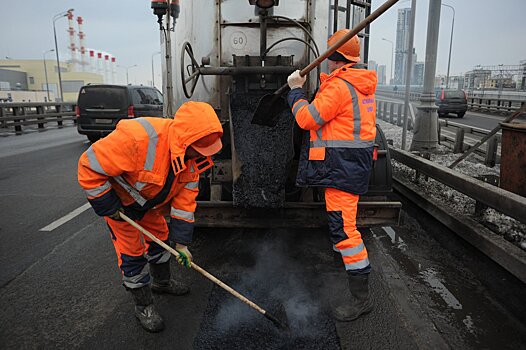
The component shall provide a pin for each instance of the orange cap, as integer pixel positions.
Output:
(208, 145)
(350, 49)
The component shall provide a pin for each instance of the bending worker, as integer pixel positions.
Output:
(339, 157)
(146, 168)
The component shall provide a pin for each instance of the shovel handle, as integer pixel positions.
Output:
(195, 266)
(385, 6)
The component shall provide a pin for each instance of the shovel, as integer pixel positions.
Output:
(271, 105)
(275, 321)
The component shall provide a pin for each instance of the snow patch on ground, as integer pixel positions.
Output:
(511, 229)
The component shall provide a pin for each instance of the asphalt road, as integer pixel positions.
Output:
(62, 289)
(471, 118)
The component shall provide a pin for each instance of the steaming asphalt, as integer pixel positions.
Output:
(62, 289)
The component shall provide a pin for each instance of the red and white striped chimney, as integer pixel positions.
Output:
(99, 64)
(92, 62)
(113, 70)
(81, 43)
(106, 68)
(72, 46)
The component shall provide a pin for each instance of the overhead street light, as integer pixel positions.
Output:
(450, 43)
(127, 68)
(392, 54)
(45, 71)
(55, 18)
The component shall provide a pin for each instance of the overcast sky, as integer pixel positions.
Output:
(487, 32)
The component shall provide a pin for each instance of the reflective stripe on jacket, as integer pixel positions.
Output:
(131, 165)
(342, 128)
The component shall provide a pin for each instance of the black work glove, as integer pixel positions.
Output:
(134, 211)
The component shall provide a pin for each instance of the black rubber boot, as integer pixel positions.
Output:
(145, 311)
(162, 283)
(360, 304)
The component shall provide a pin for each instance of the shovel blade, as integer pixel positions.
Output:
(268, 110)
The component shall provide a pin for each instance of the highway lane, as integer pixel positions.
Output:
(37, 186)
(471, 118)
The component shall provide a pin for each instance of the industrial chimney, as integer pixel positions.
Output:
(82, 47)
(72, 46)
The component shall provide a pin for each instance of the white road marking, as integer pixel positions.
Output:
(66, 218)
(395, 238)
(430, 276)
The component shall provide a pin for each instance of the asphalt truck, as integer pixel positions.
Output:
(229, 53)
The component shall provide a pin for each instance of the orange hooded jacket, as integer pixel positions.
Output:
(342, 125)
(141, 166)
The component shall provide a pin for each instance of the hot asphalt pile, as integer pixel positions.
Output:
(264, 155)
(230, 324)
(295, 298)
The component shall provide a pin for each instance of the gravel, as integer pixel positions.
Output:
(264, 155)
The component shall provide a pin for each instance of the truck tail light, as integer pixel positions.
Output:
(443, 95)
(131, 113)
(77, 111)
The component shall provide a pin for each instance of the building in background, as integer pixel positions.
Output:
(29, 76)
(417, 78)
(381, 72)
(402, 41)
(476, 79)
(372, 65)
(522, 76)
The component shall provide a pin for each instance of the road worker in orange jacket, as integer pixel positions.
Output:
(341, 121)
(146, 168)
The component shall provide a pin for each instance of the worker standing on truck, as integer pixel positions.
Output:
(146, 168)
(339, 155)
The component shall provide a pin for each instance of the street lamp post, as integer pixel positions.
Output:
(392, 54)
(450, 43)
(127, 68)
(55, 18)
(153, 75)
(45, 71)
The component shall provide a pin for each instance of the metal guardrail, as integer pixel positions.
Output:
(18, 115)
(475, 103)
(453, 135)
(450, 134)
(501, 200)
(393, 112)
(494, 104)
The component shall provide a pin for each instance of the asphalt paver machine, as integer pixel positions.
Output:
(229, 53)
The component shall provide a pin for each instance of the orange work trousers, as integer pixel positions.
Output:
(134, 250)
(341, 211)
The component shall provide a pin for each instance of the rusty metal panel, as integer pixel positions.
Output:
(513, 158)
(292, 215)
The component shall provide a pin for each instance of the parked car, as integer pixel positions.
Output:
(100, 107)
(451, 101)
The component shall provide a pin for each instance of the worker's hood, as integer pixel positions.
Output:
(192, 121)
(363, 80)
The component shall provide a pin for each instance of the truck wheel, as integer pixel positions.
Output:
(461, 114)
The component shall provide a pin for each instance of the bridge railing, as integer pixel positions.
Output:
(456, 136)
(475, 103)
(18, 115)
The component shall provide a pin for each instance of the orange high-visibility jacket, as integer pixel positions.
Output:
(141, 165)
(342, 124)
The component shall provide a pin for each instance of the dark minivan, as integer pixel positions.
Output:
(100, 107)
(451, 101)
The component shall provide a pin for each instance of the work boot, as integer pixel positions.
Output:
(162, 283)
(360, 303)
(145, 311)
